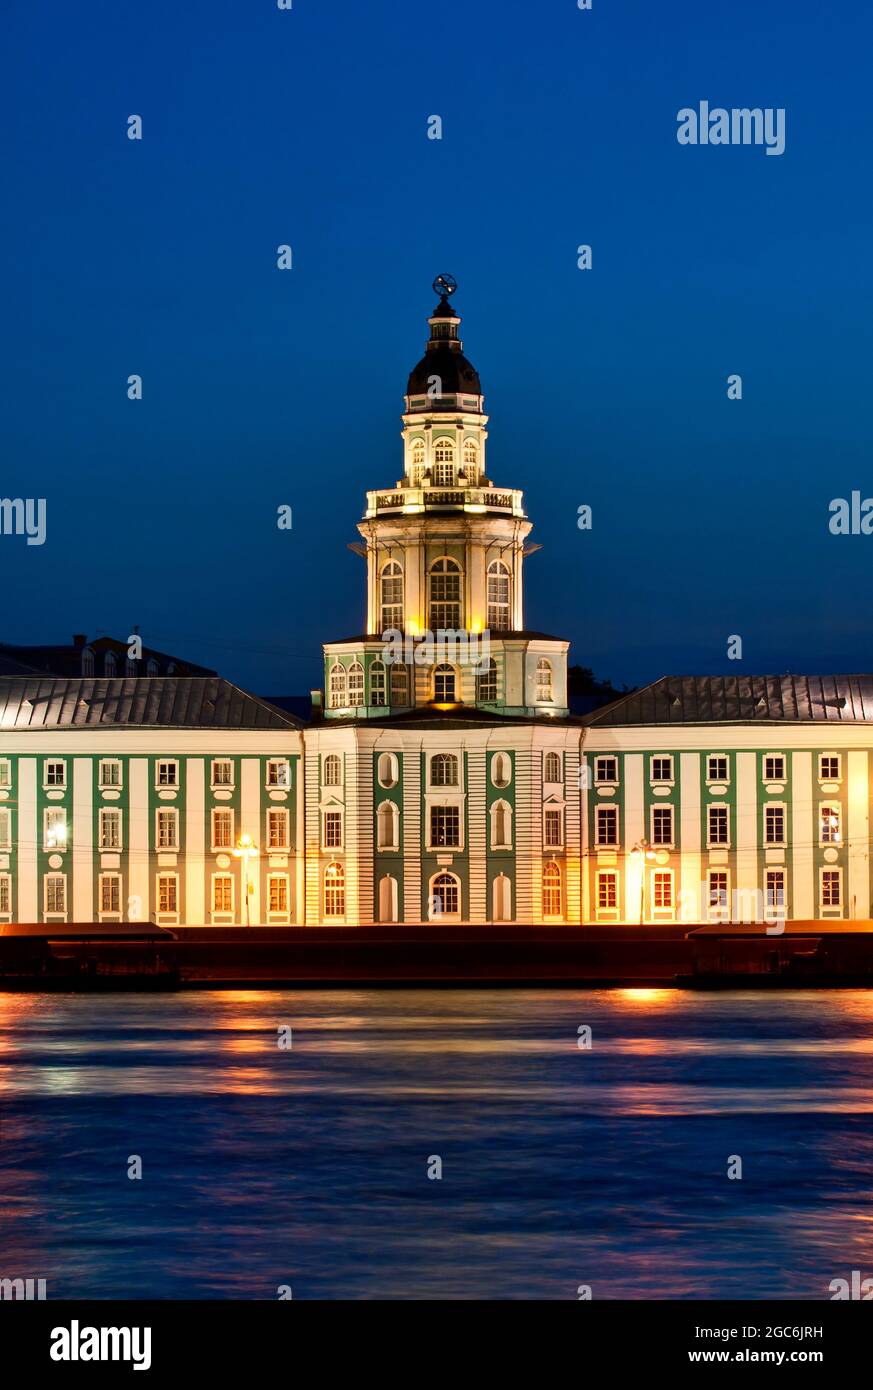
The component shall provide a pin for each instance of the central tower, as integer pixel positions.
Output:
(445, 549)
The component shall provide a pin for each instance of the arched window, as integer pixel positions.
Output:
(498, 596)
(391, 597)
(152, 669)
(387, 825)
(501, 825)
(471, 457)
(552, 769)
(110, 664)
(387, 770)
(445, 595)
(486, 683)
(377, 684)
(444, 685)
(387, 898)
(552, 889)
(130, 666)
(544, 680)
(87, 662)
(399, 685)
(416, 460)
(501, 770)
(356, 684)
(332, 771)
(334, 891)
(444, 770)
(338, 694)
(444, 463)
(445, 896)
(502, 899)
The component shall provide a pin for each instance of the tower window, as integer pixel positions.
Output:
(471, 456)
(377, 683)
(444, 463)
(445, 595)
(338, 689)
(391, 597)
(416, 459)
(332, 771)
(544, 681)
(399, 685)
(444, 770)
(498, 596)
(356, 684)
(486, 683)
(444, 685)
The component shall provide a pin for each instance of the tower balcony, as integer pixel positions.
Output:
(416, 501)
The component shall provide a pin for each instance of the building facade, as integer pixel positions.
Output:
(442, 776)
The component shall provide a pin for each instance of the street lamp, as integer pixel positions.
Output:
(246, 849)
(645, 852)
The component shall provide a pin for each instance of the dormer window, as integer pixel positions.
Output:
(87, 662)
(110, 664)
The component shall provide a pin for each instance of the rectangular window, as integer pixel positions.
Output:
(333, 829)
(167, 827)
(110, 893)
(607, 890)
(110, 829)
(831, 886)
(54, 828)
(718, 825)
(109, 773)
(662, 768)
(5, 772)
(55, 774)
(553, 828)
(222, 772)
(717, 768)
(278, 773)
(774, 891)
(662, 889)
(829, 767)
(277, 829)
(606, 770)
(5, 895)
(774, 768)
(168, 773)
(222, 894)
(445, 827)
(55, 893)
(5, 827)
(222, 828)
(606, 825)
(662, 825)
(277, 893)
(829, 825)
(167, 894)
(718, 891)
(774, 825)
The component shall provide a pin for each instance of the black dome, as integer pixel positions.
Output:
(456, 374)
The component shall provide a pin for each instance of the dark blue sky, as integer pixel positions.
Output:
(605, 387)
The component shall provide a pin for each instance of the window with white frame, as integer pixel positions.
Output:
(222, 895)
(337, 692)
(332, 770)
(222, 772)
(167, 895)
(444, 770)
(498, 596)
(486, 682)
(606, 825)
(445, 595)
(662, 889)
(829, 767)
(277, 829)
(416, 458)
(278, 773)
(54, 828)
(5, 827)
(444, 684)
(501, 824)
(168, 773)
(774, 767)
(5, 773)
(445, 827)
(356, 685)
(830, 823)
(5, 895)
(552, 896)
(774, 891)
(109, 894)
(718, 824)
(277, 895)
(222, 828)
(607, 889)
(55, 894)
(110, 828)
(109, 773)
(553, 827)
(662, 825)
(471, 457)
(378, 693)
(444, 463)
(399, 684)
(167, 829)
(391, 583)
(544, 681)
(445, 895)
(831, 887)
(718, 892)
(774, 824)
(553, 772)
(717, 767)
(387, 825)
(662, 767)
(334, 891)
(606, 769)
(55, 774)
(332, 829)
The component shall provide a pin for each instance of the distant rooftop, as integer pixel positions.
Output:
(742, 699)
(164, 702)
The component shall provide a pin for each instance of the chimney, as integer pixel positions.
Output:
(317, 704)
(79, 640)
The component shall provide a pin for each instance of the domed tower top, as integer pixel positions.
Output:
(444, 379)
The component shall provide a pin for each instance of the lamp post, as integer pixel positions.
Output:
(645, 852)
(246, 849)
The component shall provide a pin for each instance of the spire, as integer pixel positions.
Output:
(444, 360)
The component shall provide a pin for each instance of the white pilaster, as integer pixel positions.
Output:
(83, 840)
(689, 837)
(195, 842)
(858, 903)
(250, 818)
(803, 904)
(139, 888)
(29, 903)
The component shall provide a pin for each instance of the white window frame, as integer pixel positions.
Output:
(718, 912)
(174, 814)
(834, 807)
(334, 916)
(718, 781)
(278, 763)
(222, 786)
(439, 759)
(108, 813)
(605, 812)
(447, 803)
(718, 806)
(56, 813)
(839, 759)
(551, 812)
(775, 806)
(443, 916)
(5, 828)
(662, 781)
(102, 782)
(552, 916)
(336, 811)
(168, 763)
(223, 915)
(604, 911)
(6, 774)
(663, 912)
(215, 813)
(6, 913)
(764, 760)
(278, 815)
(553, 781)
(55, 914)
(834, 869)
(599, 779)
(654, 809)
(776, 911)
(54, 786)
(282, 914)
(109, 914)
(171, 915)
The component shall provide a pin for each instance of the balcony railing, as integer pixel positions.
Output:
(410, 500)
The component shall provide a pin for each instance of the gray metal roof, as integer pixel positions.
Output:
(141, 702)
(742, 699)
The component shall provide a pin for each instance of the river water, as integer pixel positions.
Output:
(308, 1166)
